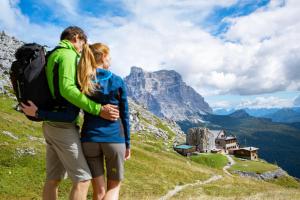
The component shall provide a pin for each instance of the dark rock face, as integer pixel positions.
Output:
(8, 46)
(165, 94)
(240, 114)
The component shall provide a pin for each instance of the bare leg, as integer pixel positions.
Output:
(50, 190)
(98, 187)
(113, 188)
(79, 190)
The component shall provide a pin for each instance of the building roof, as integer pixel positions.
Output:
(184, 146)
(250, 148)
(230, 137)
(215, 132)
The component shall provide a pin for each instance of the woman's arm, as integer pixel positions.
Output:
(124, 114)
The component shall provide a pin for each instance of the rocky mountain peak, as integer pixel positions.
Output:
(240, 114)
(165, 94)
(136, 70)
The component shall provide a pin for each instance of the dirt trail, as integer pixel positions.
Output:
(229, 164)
(182, 187)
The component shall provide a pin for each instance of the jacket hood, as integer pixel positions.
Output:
(103, 74)
(68, 45)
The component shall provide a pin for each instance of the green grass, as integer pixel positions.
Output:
(238, 188)
(286, 181)
(153, 169)
(210, 159)
(151, 172)
(258, 167)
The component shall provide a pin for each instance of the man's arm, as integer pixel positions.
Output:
(68, 115)
(68, 88)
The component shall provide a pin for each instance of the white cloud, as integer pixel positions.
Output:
(16, 24)
(66, 10)
(258, 54)
(265, 102)
(264, 61)
(221, 105)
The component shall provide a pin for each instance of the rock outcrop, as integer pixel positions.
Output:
(143, 121)
(269, 175)
(166, 95)
(8, 46)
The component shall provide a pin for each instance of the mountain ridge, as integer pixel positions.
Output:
(165, 94)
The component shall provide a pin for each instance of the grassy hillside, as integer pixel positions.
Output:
(153, 170)
(210, 159)
(258, 167)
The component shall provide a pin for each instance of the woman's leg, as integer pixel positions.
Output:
(98, 188)
(114, 156)
(94, 157)
(113, 189)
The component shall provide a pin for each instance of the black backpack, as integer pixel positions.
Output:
(28, 76)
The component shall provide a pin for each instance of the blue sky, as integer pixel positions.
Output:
(233, 52)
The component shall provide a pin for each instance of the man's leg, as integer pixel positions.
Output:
(79, 190)
(67, 146)
(55, 170)
(50, 190)
(113, 189)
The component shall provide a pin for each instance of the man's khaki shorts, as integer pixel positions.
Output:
(64, 153)
(114, 155)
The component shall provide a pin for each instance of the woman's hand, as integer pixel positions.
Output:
(29, 110)
(127, 154)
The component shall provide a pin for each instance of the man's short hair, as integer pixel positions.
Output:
(71, 32)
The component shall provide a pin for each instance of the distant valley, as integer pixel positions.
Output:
(278, 142)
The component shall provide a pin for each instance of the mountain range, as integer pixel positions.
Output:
(284, 115)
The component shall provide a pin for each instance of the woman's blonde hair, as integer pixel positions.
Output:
(91, 59)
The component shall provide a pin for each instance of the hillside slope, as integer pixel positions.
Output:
(153, 170)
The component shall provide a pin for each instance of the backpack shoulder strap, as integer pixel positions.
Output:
(59, 100)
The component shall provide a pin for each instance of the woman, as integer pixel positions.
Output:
(102, 139)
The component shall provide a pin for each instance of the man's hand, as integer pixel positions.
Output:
(110, 112)
(29, 110)
(127, 154)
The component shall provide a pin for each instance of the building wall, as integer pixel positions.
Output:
(252, 155)
(185, 151)
(222, 143)
(202, 138)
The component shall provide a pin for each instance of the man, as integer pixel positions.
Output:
(64, 153)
